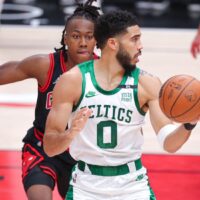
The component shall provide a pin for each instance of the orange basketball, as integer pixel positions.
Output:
(179, 98)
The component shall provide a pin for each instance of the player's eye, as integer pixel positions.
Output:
(89, 37)
(75, 36)
(134, 39)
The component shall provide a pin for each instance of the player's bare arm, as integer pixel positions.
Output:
(31, 67)
(66, 94)
(150, 87)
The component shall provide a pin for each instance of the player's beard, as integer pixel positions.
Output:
(124, 59)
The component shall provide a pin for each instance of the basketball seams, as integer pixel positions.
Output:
(181, 92)
(163, 92)
(179, 98)
(187, 111)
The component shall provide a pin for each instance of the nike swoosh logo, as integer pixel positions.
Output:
(90, 94)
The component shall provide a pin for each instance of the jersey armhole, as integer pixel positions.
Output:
(49, 75)
(135, 91)
(83, 88)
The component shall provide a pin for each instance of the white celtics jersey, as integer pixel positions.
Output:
(112, 135)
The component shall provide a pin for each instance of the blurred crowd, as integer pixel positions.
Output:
(155, 7)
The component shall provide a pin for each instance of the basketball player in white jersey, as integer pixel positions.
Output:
(105, 102)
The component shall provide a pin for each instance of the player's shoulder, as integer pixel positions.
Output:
(38, 59)
(35, 63)
(149, 82)
(36, 66)
(72, 75)
(75, 74)
(148, 78)
(70, 83)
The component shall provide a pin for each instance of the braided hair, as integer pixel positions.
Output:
(86, 11)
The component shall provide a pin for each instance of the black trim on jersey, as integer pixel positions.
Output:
(44, 101)
(128, 86)
(49, 76)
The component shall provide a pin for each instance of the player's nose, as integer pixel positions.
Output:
(83, 41)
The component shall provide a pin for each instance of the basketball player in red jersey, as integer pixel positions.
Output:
(40, 172)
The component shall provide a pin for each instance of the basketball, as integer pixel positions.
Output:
(179, 98)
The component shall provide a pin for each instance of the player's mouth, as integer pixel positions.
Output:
(83, 52)
(136, 57)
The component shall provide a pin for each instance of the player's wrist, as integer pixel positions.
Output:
(72, 132)
(189, 126)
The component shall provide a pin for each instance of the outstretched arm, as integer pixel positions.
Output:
(195, 46)
(11, 72)
(66, 93)
(32, 67)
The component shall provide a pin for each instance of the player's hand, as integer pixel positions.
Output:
(80, 120)
(195, 47)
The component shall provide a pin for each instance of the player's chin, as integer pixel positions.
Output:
(84, 57)
(134, 61)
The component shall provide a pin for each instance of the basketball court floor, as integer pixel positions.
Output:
(166, 53)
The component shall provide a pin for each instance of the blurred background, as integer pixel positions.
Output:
(152, 13)
(29, 27)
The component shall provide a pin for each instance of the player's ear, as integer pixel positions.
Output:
(113, 43)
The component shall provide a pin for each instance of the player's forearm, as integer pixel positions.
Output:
(176, 139)
(56, 143)
(9, 73)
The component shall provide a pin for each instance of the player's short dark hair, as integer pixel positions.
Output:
(112, 24)
(86, 11)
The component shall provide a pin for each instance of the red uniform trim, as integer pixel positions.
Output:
(62, 61)
(28, 164)
(50, 73)
(95, 56)
(39, 135)
(49, 171)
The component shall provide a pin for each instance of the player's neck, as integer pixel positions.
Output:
(108, 72)
(109, 63)
(70, 63)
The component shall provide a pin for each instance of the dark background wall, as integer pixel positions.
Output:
(151, 13)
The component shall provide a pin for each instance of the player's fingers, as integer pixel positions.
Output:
(81, 118)
(192, 50)
(87, 113)
(79, 124)
(79, 114)
(195, 52)
(198, 48)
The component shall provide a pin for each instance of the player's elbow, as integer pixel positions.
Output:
(48, 149)
(170, 150)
